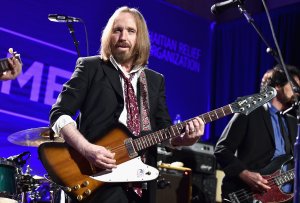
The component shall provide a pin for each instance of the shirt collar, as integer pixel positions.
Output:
(135, 69)
(272, 108)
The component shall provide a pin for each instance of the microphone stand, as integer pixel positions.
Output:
(250, 20)
(72, 32)
(295, 90)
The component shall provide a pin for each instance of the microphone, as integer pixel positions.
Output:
(219, 7)
(63, 18)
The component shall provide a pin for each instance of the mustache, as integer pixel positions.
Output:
(123, 44)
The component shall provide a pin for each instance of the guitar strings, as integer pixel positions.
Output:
(243, 194)
(183, 124)
(138, 144)
(122, 147)
(117, 148)
(283, 175)
(141, 143)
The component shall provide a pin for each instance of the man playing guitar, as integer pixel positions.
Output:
(250, 143)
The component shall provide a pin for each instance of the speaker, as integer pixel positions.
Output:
(199, 157)
(204, 188)
(174, 184)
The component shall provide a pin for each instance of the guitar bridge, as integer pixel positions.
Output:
(130, 148)
(233, 198)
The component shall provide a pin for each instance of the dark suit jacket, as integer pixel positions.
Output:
(248, 142)
(95, 90)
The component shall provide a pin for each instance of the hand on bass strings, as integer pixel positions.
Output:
(254, 180)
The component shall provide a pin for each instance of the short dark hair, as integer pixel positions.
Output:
(276, 76)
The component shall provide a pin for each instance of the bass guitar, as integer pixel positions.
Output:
(276, 178)
(80, 179)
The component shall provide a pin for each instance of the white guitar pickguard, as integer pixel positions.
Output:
(133, 170)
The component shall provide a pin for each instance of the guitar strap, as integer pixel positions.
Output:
(144, 103)
(144, 122)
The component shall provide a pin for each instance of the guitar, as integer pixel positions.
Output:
(80, 178)
(4, 65)
(276, 179)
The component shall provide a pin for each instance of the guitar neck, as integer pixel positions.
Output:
(151, 139)
(284, 177)
(4, 65)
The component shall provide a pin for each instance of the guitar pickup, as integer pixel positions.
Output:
(130, 148)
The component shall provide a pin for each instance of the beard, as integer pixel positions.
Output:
(285, 100)
(123, 56)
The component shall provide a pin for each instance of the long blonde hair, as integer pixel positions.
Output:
(142, 47)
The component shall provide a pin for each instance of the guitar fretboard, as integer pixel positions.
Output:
(4, 66)
(284, 177)
(175, 130)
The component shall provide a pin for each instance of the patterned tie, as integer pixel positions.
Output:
(133, 117)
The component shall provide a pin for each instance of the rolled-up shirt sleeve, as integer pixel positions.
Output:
(61, 122)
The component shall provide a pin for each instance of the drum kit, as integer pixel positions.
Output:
(18, 186)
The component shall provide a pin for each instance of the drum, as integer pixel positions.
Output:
(8, 182)
(45, 192)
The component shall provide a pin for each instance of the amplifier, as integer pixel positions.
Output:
(201, 148)
(174, 184)
(204, 188)
(199, 157)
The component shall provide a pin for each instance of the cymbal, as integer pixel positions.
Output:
(33, 137)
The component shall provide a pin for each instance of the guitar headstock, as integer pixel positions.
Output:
(247, 104)
(15, 54)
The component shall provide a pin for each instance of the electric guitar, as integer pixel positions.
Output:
(4, 65)
(276, 179)
(80, 179)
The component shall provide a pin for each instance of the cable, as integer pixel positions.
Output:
(86, 38)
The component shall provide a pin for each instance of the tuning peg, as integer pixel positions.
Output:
(11, 50)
